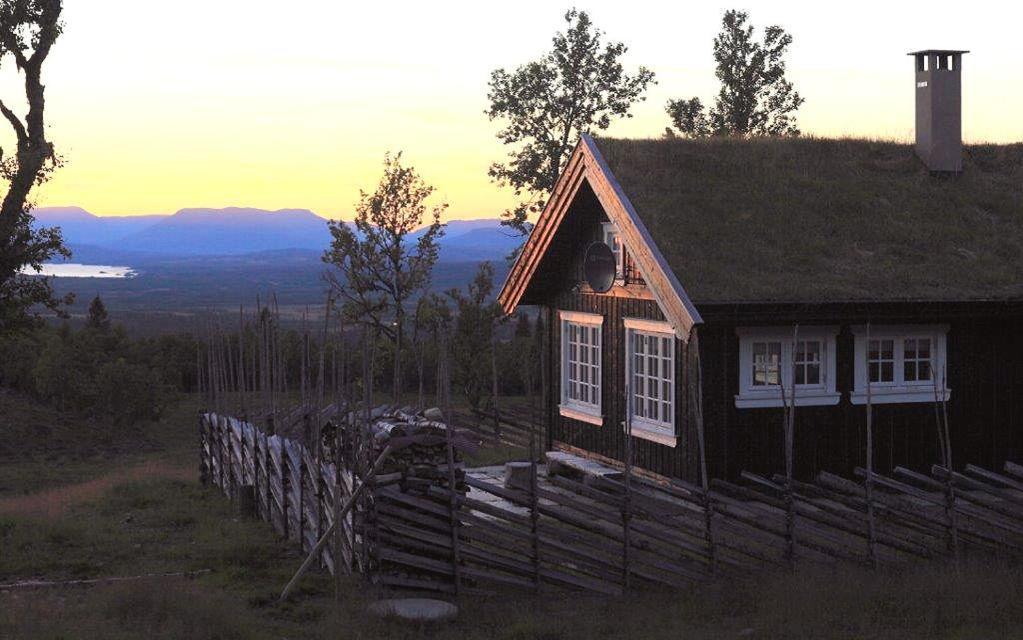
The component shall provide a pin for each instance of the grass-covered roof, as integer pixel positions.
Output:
(818, 220)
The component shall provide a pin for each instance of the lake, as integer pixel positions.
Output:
(74, 270)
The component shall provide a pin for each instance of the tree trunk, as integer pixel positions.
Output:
(399, 318)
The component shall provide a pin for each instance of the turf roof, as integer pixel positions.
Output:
(826, 220)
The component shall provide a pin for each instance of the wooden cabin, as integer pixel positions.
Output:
(754, 273)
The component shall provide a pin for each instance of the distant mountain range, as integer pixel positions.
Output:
(239, 231)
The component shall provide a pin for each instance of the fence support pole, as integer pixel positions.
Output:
(627, 503)
(322, 542)
(453, 510)
(868, 486)
(696, 371)
(285, 488)
(534, 529)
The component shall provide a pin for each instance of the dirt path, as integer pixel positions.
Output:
(54, 502)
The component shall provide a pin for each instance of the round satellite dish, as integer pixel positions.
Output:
(599, 267)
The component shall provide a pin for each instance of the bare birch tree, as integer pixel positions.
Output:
(378, 266)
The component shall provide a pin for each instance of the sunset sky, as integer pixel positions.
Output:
(164, 105)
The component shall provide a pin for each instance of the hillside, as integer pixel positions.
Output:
(237, 231)
(81, 227)
(231, 231)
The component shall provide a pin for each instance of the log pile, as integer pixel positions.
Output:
(402, 522)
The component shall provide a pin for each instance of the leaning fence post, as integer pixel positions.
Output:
(338, 529)
(869, 484)
(945, 442)
(453, 510)
(627, 503)
(789, 425)
(227, 466)
(204, 461)
(534, 529)
(300, 506)
(696, 386)
(285, 488)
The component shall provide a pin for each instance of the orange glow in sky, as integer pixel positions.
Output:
(164, 105)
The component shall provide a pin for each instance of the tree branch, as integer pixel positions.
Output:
(16, 123)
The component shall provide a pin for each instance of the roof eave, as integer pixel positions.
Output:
(587, 163)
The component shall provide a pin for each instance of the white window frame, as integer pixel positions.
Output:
(609, 231)
(642, 427)
(589, 412)
(899, 390)
(822, 393)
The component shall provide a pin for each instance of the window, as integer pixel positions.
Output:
(881, 361)
(806, 363)
(614, 240)
(770, 363)
(766, 363)
(901, 364)
(580, 366)
(650, 379)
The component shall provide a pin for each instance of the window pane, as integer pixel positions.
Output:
(925, 370)
(766, 361)
(652, 361)
(881, 360)
(582, 363)
(887, 349)
(813, 374)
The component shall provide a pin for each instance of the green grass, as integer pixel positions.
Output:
(826, 220)
(142, 525)
(48, 448)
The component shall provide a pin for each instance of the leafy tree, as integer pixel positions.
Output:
(474, 330)
(434, 320)
(377, 271)
(28, 30)
(98, 318)
(755, 99)
(576, 87)
(127, 393)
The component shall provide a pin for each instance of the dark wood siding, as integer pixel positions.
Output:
(609, 439)
(985, 375)
(985, 367)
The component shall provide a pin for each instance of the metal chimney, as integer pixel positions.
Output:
(939, 109)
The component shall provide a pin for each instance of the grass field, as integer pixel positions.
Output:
(125, 514)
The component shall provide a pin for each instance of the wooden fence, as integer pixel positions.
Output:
(288, 489)
(581, 525)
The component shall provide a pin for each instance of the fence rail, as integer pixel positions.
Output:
(585, 527)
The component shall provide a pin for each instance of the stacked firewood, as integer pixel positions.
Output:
(420, 453)
(418, 441)
(404, 517)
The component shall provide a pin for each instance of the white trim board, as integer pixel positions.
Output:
(823, 393)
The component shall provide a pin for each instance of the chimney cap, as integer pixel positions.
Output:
(940, 52)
